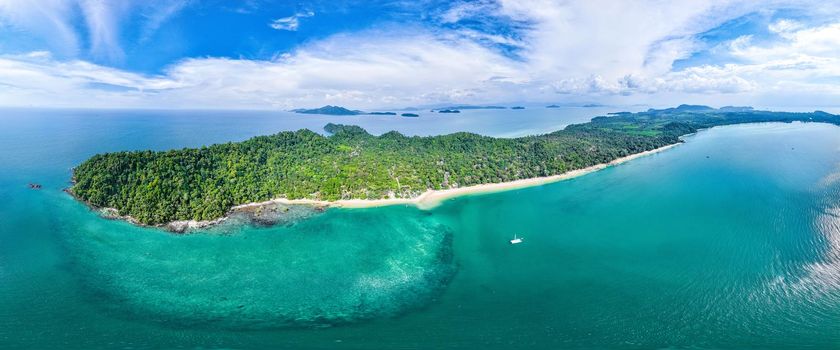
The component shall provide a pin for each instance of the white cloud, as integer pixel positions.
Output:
(36, 79)
(806, 60)
(290, 23)
(50, 19)
(785, 26)
(54, 21)
(612, 51)
(101, 17)
(158, 13)
(467, 9)
(821, 41)
(397, 68)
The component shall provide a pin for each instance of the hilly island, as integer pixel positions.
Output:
(351, 164)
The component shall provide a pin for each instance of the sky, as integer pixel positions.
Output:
(277, 55)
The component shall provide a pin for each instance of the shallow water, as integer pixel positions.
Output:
(731, 240)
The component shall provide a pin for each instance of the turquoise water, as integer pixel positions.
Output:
(730, 240)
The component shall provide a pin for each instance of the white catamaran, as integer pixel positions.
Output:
(515, 240)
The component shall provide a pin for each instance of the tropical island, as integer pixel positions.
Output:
(328, 110)
(449, 111)
(338, 110)
(351, 167)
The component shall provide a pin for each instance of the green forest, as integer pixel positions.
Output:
(204, 183)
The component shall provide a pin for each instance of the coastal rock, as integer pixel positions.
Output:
(183, 226)
(109, 213)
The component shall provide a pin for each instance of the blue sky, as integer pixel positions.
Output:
(261, 54)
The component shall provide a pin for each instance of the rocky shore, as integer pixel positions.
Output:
(265, 214)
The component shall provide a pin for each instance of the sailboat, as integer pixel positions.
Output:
(515, 240)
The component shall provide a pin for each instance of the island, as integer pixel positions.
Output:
(329, 110)
(381, 113)
(474, 107)
(411, 115)
(351, 167)
(552, 106)
(449, 111)
(517, 107)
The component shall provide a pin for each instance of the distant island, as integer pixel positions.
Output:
(354, 168)
(585, 105)
(410, 115)
(449, 111)
(329, 110)
(338, 110)
(473, 107)
(517, 107)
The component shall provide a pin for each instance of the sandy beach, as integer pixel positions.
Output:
(433, 198)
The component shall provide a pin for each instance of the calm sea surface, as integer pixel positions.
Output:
(731, 240)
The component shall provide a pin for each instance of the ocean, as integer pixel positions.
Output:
(730, 240)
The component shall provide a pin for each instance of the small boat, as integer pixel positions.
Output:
(515, 240)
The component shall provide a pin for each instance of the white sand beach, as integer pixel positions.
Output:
(433, 198)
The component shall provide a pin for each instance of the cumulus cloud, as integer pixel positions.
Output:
(397, 68)
(805, 60)
(290, 23)
(799, 42)
(615, 51)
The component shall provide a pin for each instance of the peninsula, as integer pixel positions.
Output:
(352, 166)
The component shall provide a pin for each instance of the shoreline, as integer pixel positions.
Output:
(425, 201)
(433, 198)
(178, 226)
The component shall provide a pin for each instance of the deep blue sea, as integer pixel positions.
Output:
(730, 240)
